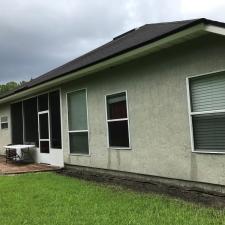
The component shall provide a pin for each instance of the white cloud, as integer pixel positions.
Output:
(201, 6)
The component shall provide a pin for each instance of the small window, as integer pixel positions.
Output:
(77, 121)
(4, 122)
(117, 121)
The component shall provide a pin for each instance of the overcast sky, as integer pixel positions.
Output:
(39, 35)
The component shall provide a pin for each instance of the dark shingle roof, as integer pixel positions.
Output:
(123, 43)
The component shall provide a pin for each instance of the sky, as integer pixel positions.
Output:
(39, 35)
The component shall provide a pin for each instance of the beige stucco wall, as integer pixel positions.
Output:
(158, 113)
(5, 134)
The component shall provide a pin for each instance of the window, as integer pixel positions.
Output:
(4, 122)
(117, 120)
(207, 112)
(77, 122)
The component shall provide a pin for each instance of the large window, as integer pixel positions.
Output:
(207, 112)
(117, 120)
(77, 122)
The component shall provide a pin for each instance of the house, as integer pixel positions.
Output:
(149, 102)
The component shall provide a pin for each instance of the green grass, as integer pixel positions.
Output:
(48, 198)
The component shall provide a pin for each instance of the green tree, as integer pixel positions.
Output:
(9, 86)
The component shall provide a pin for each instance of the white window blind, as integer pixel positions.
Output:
(207, 98)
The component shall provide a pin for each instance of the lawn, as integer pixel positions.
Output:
(48, 198)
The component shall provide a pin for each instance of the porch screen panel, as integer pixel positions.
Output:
(55, 119)
(43, 102)
(43, 126)
(77, 121)
(17, 123)
(208, 112)
(30, 113)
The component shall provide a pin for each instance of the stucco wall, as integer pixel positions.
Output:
(5, 134)
(158, 114)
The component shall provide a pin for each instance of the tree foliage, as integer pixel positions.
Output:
(10, 86)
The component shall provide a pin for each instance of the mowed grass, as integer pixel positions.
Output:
(48, 198)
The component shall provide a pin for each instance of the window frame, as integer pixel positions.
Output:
(78, 131)
(7, 122)
(115, 120)
(191, 114)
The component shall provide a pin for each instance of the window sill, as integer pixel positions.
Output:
(85, 155)
(208, 152)
(119, 148)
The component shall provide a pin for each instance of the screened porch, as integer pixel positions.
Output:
(37, 121)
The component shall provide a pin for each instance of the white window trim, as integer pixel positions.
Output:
(190, 114)
(114, 120)
(7, 122)
(78, 131)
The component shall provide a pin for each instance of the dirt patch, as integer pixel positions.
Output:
(191, 194)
